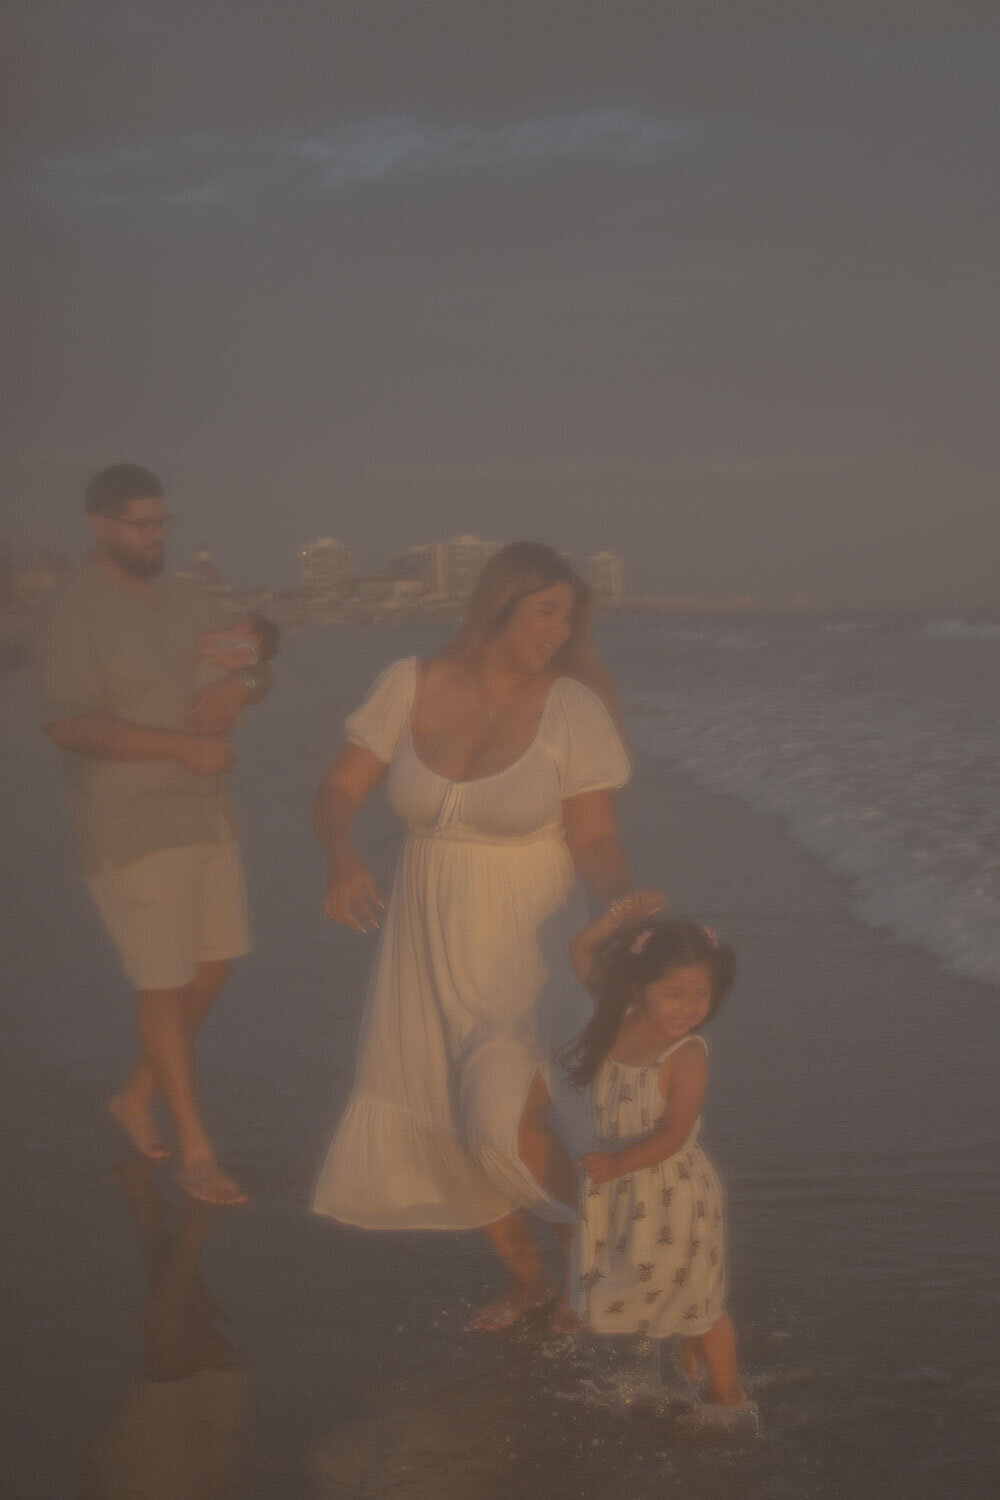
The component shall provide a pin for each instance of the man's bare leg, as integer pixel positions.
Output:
(132, 1106)
(167, 1034)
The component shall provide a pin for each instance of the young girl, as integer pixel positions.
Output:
(650, 1250)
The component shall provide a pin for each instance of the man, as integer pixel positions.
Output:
(145, 761)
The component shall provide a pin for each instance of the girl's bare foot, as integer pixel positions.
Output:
(737, 1397)
(138, 1124)
(206, 1181)
(508, 1309)
(737, 1413)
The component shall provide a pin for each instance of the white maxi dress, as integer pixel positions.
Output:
(472, 990)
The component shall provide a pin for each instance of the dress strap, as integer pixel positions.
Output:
(692, 1036)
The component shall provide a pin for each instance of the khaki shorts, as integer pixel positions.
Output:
(170, 911)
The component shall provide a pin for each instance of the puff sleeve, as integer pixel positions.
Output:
(586, 746)
(380, 720)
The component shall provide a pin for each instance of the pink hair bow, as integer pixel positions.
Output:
(641, 941)
(712, 935)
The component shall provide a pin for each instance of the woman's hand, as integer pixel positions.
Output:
(352, 896)
(637, 906)
(628, 911)
(601, 1166)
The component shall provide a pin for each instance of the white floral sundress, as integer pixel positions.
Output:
(650, 1251)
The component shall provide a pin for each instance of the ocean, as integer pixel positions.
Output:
(875, 742)
(824, 791)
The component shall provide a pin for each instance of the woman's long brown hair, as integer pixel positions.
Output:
(512, 574)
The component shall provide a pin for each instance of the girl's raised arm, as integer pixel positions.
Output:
(627, 911)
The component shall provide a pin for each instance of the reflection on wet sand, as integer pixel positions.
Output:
(176, 1435)
(551, 1415)
(446, 1442)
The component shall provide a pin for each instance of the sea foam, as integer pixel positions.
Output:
(887, 769)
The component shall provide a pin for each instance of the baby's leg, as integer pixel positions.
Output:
(718, 1346)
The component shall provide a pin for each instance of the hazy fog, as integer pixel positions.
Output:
(723, 298)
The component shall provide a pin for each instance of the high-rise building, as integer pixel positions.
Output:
(605, 575)
(427, 563)
(464, 557)
(325, 566)
(204, 568)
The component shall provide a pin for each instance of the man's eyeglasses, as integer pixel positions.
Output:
(159, 523)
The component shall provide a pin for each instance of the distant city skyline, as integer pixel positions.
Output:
(711, 287)
(447, 568)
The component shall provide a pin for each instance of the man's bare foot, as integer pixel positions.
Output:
(138, 1125)
(508, 1309)
(206, 1181)
(565, 1319)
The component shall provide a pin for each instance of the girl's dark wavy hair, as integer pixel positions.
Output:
(619, 975)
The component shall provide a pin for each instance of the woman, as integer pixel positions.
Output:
(503, 758)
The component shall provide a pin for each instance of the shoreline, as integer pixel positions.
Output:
(850, 1110)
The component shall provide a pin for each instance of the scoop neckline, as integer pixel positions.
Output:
(473, 780)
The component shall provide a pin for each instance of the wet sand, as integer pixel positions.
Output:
(264, 1353)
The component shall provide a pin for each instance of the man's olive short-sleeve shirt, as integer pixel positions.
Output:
(102, 648)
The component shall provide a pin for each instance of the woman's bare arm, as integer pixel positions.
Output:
(351, 895)
(595, 843)
(589, 941)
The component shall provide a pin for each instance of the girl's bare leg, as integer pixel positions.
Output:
(718, 1346)
(689, 1357)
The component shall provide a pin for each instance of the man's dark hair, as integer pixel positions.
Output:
(110, 491)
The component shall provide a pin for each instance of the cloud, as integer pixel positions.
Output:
(396, 145)
(204, 170)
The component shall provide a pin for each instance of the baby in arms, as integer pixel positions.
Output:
(246, 642)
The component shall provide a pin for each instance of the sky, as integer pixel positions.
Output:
(712, 286)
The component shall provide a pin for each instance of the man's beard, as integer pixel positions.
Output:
(139, 567)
